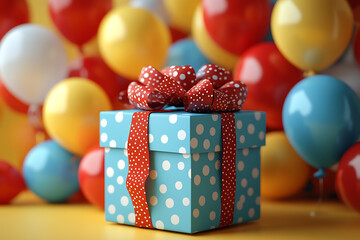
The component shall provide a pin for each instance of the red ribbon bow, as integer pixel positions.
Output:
(211, 89)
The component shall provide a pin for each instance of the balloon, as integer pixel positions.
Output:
(32, 61)
(185, 52)
(12, 101)
(348, 177)
(130, 38)
(236, 25)
(155, 6)
(269, 77)
(71, 114)
(181, 13)
(78, 20)
(12, 13)
(357, 45)
(355, 6)
(349, 73)
(283, 172)
(51, 172)
(312, 34)
(176, 34)
(207, 45)
(11, 182)
(312, 188)
(17, 137)
(321, 116)
(91, 176)
(95, 69)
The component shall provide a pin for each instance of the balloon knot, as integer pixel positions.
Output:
(320, 173)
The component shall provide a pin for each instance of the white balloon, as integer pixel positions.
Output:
(349, 73)
(347, 70)
(32, 61)
(155, 6)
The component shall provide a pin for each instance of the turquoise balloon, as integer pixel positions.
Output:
(51, 172)
(185, 52)
(321, 118)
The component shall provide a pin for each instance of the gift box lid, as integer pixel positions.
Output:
(183, 132)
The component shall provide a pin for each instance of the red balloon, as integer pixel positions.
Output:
(355, 6)
(12, 101)
(78, 20)
(95, 69)
(12, 13)
(269, 77)
(357, 45)
(11, 182)
(176, 34)
(236, 25)
(91, 176)
(348, 177)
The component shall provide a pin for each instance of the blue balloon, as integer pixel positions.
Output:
(51, 172)
(185, 52)
(321, 118)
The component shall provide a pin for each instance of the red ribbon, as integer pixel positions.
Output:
(210, 89)
(139, 167)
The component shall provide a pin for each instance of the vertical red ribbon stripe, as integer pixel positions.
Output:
(139, 167)
(228, 181)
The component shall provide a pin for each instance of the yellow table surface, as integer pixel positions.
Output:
(31, 218)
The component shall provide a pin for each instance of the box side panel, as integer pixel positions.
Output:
(250, 129)
(118, 204)
(168, 191)
(206, 135)
(206, 191)
(247, 197)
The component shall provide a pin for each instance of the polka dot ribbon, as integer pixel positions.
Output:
(211, 89)
(228, 180)
(139, 167)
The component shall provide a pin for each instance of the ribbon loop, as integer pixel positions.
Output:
(210, 89)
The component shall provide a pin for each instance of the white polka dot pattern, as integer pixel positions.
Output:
(176, 179)
(183, 136)
(228, 169)
(217, 75)
(139, 168)
(184, 75)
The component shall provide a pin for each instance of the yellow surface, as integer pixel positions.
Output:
(30, 218)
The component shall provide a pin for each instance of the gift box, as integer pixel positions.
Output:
(186, 186)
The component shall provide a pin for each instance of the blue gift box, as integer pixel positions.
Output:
(183, 189)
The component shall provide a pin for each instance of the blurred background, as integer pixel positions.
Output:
(64, 61)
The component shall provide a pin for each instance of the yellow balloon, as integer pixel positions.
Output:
(208, 46)
(181, 13)
(312, 34)
(131, 38)
(71, 114)
(283, 172)
(17, 136)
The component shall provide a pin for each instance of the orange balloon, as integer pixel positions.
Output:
(283, 172)
(17, 136)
